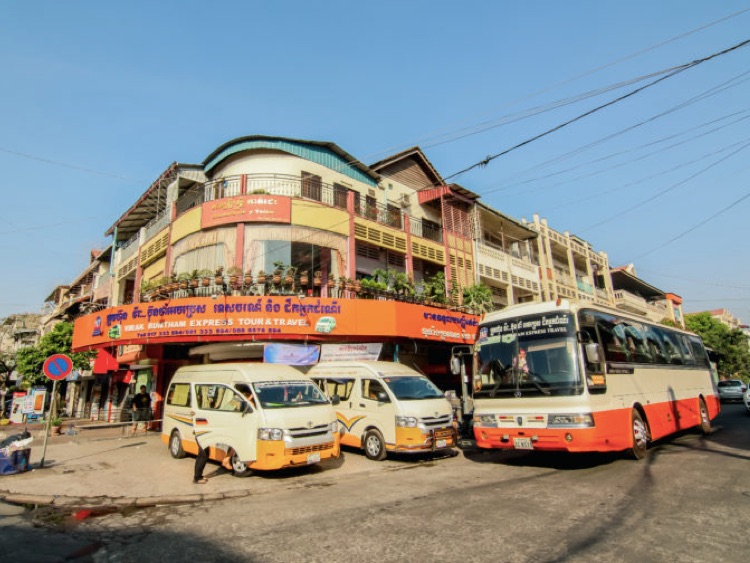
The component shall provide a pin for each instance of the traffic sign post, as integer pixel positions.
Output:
(56, 367)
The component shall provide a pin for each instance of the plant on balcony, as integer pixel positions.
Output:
(278, 269)
(234, 275)
(247, 279)
(261, 276)
(289, 277)
(194, 279)
(304, 277)
(219, 276)
(437, 286)
(318, 278)
(402, 285)
(478, 299)
(205, 276)
(183, 280)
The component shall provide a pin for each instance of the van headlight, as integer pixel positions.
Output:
(406, 421)
(270, 434)
(574, 420)
(334, 426)
(485, 420)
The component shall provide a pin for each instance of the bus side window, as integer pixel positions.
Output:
(614, 348)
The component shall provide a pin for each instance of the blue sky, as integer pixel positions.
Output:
(100, 97)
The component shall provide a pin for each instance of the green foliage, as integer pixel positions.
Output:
(731, 345)
(30, 361)
(478, 298)
(435, 287)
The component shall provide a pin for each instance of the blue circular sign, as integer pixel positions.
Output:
(58, 366)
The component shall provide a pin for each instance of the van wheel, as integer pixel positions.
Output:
(175, 445)
(374, 445)
(705, 424)
(640, 436)
(239, 467)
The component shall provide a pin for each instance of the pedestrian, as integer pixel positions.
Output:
(200, 464)
(141, 410)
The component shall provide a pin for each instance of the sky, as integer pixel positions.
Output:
(595, 118)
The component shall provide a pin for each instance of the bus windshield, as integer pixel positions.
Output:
(284, 394)
(409, 388)
(528, 356)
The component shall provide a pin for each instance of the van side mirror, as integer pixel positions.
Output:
(383, 397)
(246, 408)
(335, 400)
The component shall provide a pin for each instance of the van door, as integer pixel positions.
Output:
(375, 404)
(223, 420)
(349, 424)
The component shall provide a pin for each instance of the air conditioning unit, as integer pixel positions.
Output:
(371, 192)
(405, 200)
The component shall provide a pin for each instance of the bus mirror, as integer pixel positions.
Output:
(456, 365)
(593, 353)
(335, 400)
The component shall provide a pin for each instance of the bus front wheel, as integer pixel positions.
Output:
(640, 436)
(175, 445)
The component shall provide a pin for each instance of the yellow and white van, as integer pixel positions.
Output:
(268, 416)
(386, 406)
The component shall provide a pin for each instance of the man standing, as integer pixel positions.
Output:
(141, 410)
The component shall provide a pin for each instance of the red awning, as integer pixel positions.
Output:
(105, 362)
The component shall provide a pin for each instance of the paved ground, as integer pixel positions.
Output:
(109, 467)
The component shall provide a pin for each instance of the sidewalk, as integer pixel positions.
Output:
(105, 467)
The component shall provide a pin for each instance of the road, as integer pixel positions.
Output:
(689, 500)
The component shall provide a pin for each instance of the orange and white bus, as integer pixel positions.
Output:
(579, 377)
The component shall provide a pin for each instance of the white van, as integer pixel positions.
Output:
(269, 415)
(386, 406)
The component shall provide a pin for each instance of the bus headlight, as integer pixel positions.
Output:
(485, 420)
(406, 421)
(572, 420)
(270, 434)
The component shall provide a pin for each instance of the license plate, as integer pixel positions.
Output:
(522, 444)
(441, 443)
(313, 458)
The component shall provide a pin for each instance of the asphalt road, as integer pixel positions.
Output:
(689, 500)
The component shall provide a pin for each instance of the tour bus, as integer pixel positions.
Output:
(579, 377)
(265, 416)
(386, 406)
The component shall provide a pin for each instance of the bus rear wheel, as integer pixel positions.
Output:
(705, 423)
(640, 435)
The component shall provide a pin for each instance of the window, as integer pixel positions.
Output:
(179, 395)
(371, 208)
(394, 216)
(341, 387)
(312, 186)
(215, 397)
(339, 196)
(371, 388)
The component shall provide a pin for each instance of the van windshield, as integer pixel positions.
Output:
(285, 394)
(410, 388)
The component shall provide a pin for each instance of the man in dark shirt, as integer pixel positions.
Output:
(141, 410)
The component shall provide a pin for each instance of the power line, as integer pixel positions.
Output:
(669, 74)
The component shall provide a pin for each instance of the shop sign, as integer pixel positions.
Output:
(246, 209)
(350, 352)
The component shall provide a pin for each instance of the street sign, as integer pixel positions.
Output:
(57, 367)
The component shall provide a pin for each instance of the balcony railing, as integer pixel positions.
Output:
(430, 232)
(157, 224)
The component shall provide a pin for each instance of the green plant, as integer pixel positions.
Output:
(56, 422)
(234, 271)
(478, 298)
(184, 276)
(437, 285)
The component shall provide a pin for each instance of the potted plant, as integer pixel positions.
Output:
(194, 279)
(289, 277)
(234, 275)
(56, 424)
(304, 277)
(278, 268)
(248, 278)
(205, 277)
(219, 276)
(478, 298)
(183, 280)
(318, 278)
(261, 276)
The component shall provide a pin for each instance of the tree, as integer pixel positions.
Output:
(30, 360)
(731, 345)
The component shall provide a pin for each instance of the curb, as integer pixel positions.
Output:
(116, 502)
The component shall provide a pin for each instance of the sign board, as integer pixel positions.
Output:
(57, 367)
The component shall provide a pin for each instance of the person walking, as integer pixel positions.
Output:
(141, 410)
